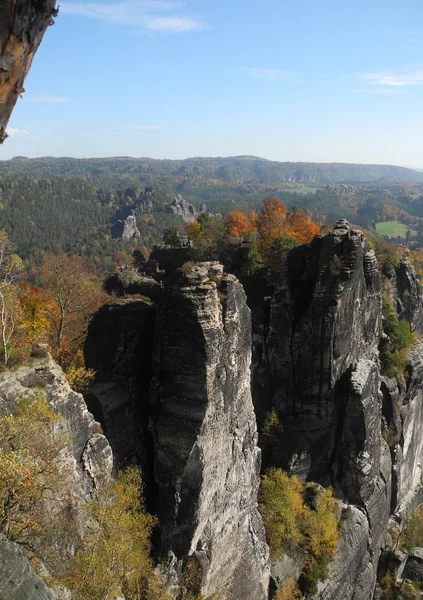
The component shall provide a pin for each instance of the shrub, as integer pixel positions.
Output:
(271, 428)
(395, 347)
(114, 557)
(283, 510)
(80, 378)
(412, 534)
(289, 591)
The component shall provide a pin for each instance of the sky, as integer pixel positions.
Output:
(287, 80)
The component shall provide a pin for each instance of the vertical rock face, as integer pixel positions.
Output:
(342, 422)
(207, 460)
(119, 347)
(22, 27)
(325, 316)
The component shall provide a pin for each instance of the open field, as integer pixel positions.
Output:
(392, 228)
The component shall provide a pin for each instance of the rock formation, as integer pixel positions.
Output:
(119, 347)
(342, 422)
(187, 211)
(126, 229)
(22, 27)
(17, 579)
(87, 456)
(207, 462)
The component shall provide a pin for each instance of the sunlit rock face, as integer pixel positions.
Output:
(22, 27)
(207, 461)
(86, 460)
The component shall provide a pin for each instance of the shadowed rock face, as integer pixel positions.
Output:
(119, 347)
(342, 422)
(22, 27)
(325, 316)
(203, 424)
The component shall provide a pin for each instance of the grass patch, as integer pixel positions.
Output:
(392, 228)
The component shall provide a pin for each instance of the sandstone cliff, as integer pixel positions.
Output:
(87, 456)
(342, 421)
(207, 462)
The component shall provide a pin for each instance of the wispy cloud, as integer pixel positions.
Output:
(390, 79)
(14, 132)
(271, 74)
(48, 99)
(147, 15)
(137, 128)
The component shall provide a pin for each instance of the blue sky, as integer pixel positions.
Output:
(295, 80)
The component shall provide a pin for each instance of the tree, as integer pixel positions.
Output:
(75, 291)
(300, 227)
(114, 557)
(239, 224)
(32, 472)
(282, 507)
(270, 223)
(11, 267)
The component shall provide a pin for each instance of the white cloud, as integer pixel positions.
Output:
(387, 78)
(147, 15)
(12, 131)
(271, 74)
(48, 99)
(137, 128)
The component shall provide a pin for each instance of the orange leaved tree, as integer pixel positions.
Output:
(239, 224)
(75, 291)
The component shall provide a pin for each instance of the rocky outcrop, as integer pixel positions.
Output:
(342, 421)
(325, 317)
(130, 281)
(88, 452)
(22, 27)
(17, 579)
(184, 209)
(207, 461)
(126, 229)
(86, 460)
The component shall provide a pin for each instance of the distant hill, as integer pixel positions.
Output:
(237, 170)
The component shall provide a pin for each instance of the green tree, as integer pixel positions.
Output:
(282, 507)
(114, 557)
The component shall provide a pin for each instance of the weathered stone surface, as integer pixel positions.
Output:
(184, 209)
(17, 579)
(22, 27)
(119, 347)
(130, 281)
(206, 458)
(351, 573)
(325, 316)
(126, 229)
(409, 297)
(87, 462)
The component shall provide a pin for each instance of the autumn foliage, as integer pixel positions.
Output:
(275, 230)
